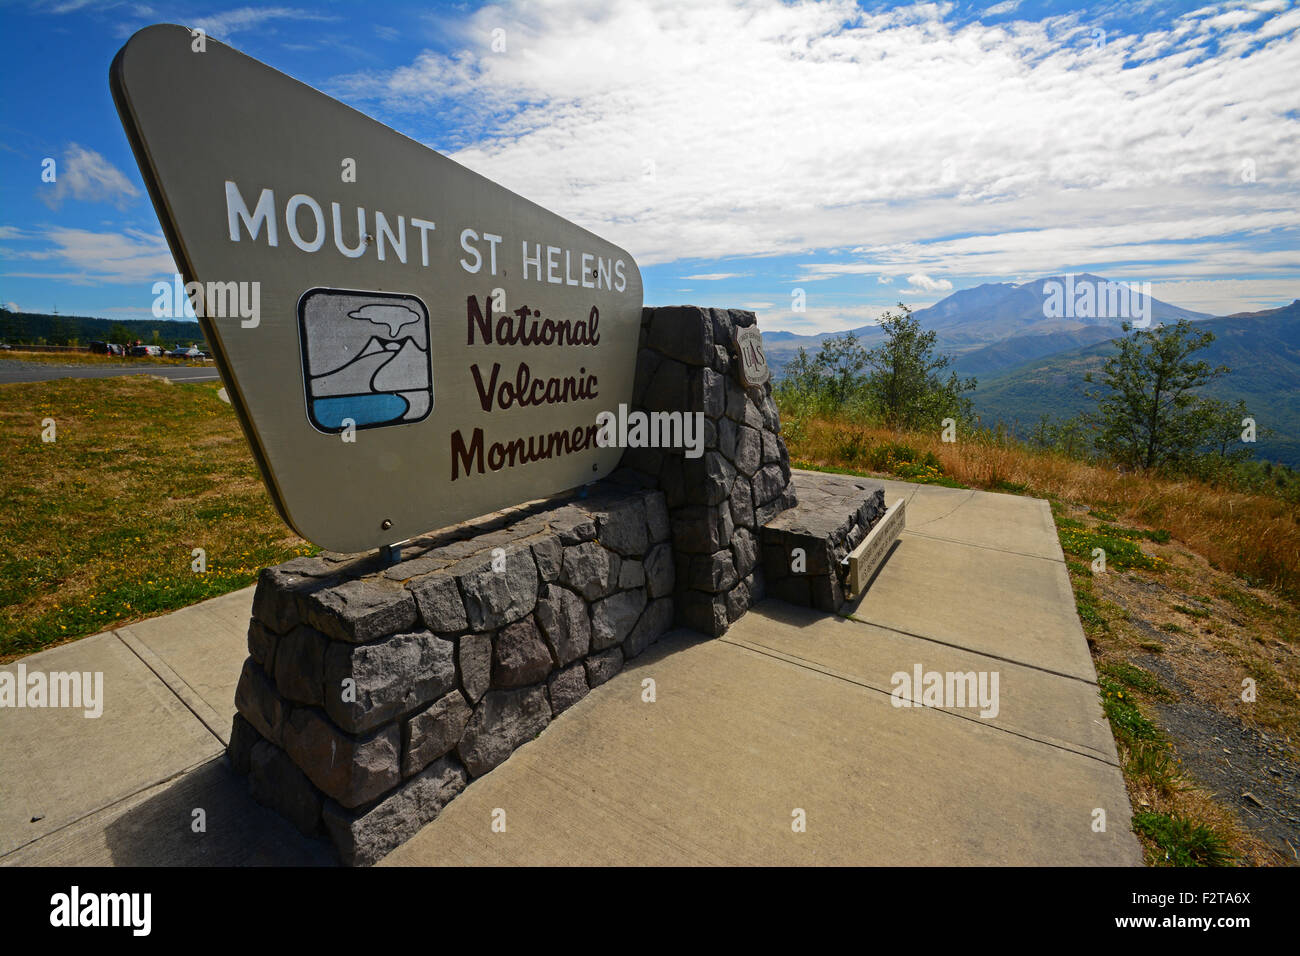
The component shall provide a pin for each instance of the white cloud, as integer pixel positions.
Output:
(243, 19)
(86, 176)
(12, 307)
(90, 258)
(783, 128)
(714, 276)
(919, 280)
(1006, 6)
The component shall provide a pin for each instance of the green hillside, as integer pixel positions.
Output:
(1262, 349)
(36, 328)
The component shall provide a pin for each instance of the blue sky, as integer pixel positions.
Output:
(863, 153)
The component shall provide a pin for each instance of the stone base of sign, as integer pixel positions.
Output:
(804, 546)
(718, 501)
(374, 693)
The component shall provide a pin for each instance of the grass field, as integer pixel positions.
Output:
(98, 527)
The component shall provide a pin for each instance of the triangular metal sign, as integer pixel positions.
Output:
(407, 344)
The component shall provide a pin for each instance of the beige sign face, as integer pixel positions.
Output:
(407, 344)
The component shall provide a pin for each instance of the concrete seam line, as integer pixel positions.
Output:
(983, 547)
(174, 683)
(1052, 742)
(113, 803)
(949, 511)
(971, 650)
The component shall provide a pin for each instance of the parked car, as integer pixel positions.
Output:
(141, 350)
(186, 352)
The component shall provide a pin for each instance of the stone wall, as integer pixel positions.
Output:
(718, 502)
(374, 693)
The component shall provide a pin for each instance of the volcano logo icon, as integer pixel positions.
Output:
(365, 358)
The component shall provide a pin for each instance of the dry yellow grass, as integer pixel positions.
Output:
(1254, 536)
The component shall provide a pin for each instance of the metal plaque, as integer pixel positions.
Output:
(754, 370)
(863, 560)
(406, 343)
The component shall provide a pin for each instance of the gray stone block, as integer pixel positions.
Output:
(243, 736)
(391, 677)
(703, 612)
(684, 333)
(474, 660)
(586, 569)
(548, 553)
(623, 529)
(496, 598)
(654, 621)
(738, 602)
(361, 611)
(744, 548)
(260, 703)
(727, 436)
(438, 600)
(669, 388)
(742, 503)
(502, 721)
(769, 484)
(712, 572)
(300, 665)
(434, 731)
(659, 571)
(613, 617)
(519, 655)
(275, 782)
(631, 574)
(566, 687)
(749, 450)
(352, 770)
(363, 839)
(601, 667)
(261, 644)
(563, 618)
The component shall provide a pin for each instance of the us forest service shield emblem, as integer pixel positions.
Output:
(753, 363)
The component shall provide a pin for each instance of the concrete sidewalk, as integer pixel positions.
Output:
(790, 710)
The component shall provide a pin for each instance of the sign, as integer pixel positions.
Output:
(406, 343)
(870, 554)
(753, 363)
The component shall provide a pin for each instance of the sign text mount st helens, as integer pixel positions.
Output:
(406, 343)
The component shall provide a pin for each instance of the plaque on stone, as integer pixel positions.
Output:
(753, 363)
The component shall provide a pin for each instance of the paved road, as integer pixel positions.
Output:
(16, 371)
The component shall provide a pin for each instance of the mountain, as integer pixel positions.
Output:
(1262, 349)
(1019, 349)
(1013, 316)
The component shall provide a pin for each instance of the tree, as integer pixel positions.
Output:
(905, 382)
(841, 362)
(119, 334)
(1150, 415)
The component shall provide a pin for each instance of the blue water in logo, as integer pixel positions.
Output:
(362, 409)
